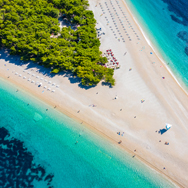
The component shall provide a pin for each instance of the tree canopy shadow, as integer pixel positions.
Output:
(106, 84)
(64, 22)
(28, 65)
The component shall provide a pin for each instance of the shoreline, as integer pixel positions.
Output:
(165, 102)
(98, 132)
(184, 88)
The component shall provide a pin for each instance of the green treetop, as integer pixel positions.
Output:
(31, 29)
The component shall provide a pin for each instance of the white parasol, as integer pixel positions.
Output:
(168, 126)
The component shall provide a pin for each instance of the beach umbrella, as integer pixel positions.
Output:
(168, 126)
(16, 73)
(37, 76)
(24, 77)
(57, 86)
(54, 84)
(33, 74)
(24, 70)
(45, 87)
(41, 83)
(41, 78)
(45, 80)
(20, 75)
(53, 91)
(49, 82)
(49, 89)
(29, 79)
(32, 81)
(28, 73)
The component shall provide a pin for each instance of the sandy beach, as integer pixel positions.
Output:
(144, 99)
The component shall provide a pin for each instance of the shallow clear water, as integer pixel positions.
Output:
(165, 22)
(48, 149)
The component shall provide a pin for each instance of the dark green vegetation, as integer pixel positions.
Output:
(30, 28)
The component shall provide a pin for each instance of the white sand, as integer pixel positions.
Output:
(165, 102)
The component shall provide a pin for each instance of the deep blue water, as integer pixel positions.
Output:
(44, 149)
(165, 23)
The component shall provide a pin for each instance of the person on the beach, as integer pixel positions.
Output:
(120, 142)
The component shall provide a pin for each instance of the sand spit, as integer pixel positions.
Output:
(144, 99)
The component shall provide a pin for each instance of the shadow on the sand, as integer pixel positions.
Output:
(63, 22)
(106, 84)
(28, 65)
(162, 131)
(74, 79)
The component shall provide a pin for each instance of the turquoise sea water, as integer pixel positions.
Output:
(42, 149)
(165, 22)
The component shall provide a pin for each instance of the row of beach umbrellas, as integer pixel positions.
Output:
(38, 83)
(115, 24)
(121, 21)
